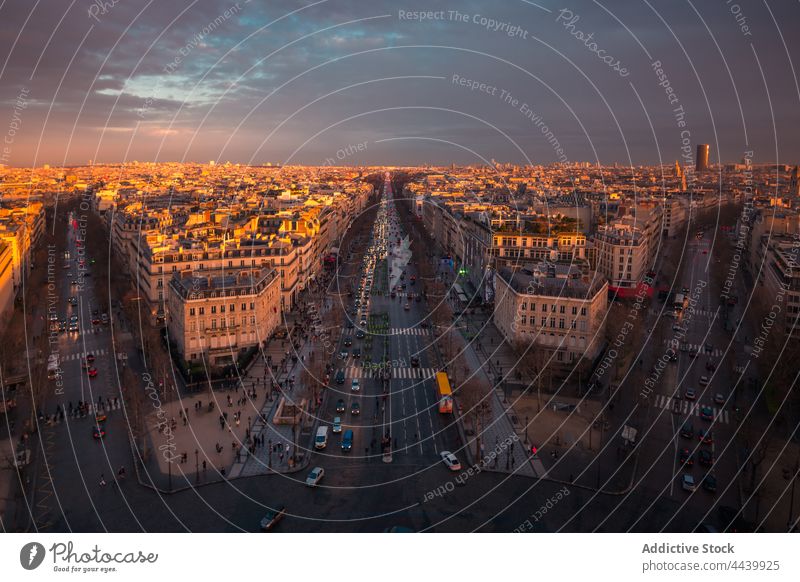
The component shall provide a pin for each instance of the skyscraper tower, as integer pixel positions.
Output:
(678, 171)
(701, 163)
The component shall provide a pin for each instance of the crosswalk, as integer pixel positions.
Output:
(89, 412)
(82, 355)
(696, 348)
(409, 331)
(691, 408)
(397, 373)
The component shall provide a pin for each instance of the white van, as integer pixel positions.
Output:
(322, 438)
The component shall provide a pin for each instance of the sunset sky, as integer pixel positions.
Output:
(294, 82)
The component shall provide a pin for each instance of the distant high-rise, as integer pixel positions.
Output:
(794, 184)
(701, 164)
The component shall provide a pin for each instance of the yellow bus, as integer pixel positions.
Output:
(444, 393)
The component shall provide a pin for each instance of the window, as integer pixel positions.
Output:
(524, 320)
(583, 311)
(553, 308)
(252, 305)
(573, 324)
(244, 320)
(214, 323)
(544, 308)
(202, 311)
(561, 309)
(244, 306)
(222, 322)
(191, 311)
(193, 326)
(252, 320)
(544, 321)
(561, 323)
(552, 322)
(231, 307)
(213, 309)
(574, 310)
(524, 306)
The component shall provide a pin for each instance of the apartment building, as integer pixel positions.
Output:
(779, 260)
(216, 316)
(553, 307)
(625, 249)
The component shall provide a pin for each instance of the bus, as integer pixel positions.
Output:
(444, 393)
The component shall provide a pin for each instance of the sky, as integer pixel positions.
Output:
(368, 82)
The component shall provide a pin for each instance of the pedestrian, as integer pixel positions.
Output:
(102, 480)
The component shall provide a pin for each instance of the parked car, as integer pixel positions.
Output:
(354, 385)
(687, 482)
(337, 424)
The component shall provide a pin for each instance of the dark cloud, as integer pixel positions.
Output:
(213, 78)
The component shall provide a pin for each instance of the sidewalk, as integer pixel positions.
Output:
(226, 433)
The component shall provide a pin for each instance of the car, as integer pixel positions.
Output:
(337, 424)
(95, 321)
(706, 436)
(363, 323)
(710, 483)
(343, 354)
(272, 518)
(360, 334)
(706, 458)
(673, 356)
(687, 482)
(709, 348)
(98, 431)
(90, 358)
(393, 294)
(686, 457)
(706, 413)
(355, 409)
(687, 430)
(92, 372)
(414, 361)
(406, 306)
(719, 398)
(315, 476)
(348, 342)
(357, 353)
(450, 461)
(354, 385)
(703, 380)
(689, 394)
(340, 377)
(340, 405)
(347, 441)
